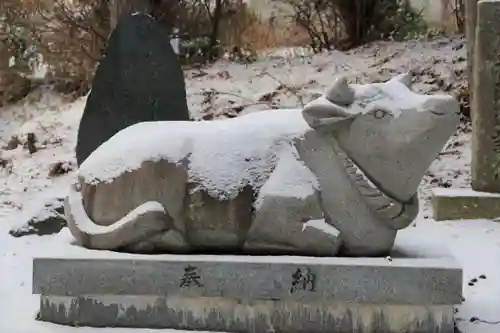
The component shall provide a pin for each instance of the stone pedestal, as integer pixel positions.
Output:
(252, 294)
(456, 204)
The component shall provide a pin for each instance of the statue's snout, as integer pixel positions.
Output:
(443, 106)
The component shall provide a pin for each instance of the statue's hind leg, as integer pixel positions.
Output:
(170, 241)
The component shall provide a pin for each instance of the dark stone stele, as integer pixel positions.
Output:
(139, 79)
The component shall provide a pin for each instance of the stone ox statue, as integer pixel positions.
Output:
(338, 177)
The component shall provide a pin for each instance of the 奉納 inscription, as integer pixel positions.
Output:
(303, 279)
(190, 277)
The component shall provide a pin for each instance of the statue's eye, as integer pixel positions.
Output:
(379, 114)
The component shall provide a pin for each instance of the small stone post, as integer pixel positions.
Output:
(486, 103)
(485, 113)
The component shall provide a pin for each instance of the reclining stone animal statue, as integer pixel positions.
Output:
(338, 177)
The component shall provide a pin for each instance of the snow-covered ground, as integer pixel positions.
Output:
(226, 89)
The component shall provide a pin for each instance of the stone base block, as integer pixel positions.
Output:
(463, 204)
(414, 291)
(235, 315)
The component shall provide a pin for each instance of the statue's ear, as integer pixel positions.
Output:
(325, 115)
(328, 111)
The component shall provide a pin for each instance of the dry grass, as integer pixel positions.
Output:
(262, 35)
(450, 18)
(246, 29)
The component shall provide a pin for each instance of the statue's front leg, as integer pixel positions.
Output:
(287, 225)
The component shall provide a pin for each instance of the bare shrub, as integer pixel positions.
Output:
(459, 11)
(69, 35)
(120, 8)
(13, 86)
(349, 23)
(318, 18)
(245, 29)
(14, 65)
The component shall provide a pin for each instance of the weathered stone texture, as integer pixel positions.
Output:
(231, 315)
(450, 206)
(470, 33)
(254, 294)
(412, 281)
(486, 103)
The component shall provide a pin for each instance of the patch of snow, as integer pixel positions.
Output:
(287, 52)
(175, 43)
(142, 13)
(40, 70)
(47, 213)
(27, 182)
(321, 225)
(391, 95)
(462, 192)
(223, 155)
(290, 177)
(43, 209)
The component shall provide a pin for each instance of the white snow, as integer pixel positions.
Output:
(26, 186)
(321, 224)
(224, 155)
(391, 95)
(463, 192)
(142, 13)
(290, 177)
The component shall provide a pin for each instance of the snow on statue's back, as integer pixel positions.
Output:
(342, 173)
(138, 79)
(224, 155)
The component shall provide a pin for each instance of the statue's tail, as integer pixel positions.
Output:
(142, 222)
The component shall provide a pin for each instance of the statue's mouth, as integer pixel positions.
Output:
(384, 205)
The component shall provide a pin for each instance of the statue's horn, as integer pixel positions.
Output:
(340, 92)
(405, 78)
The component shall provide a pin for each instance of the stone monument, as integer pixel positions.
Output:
(483, 201)
(276, 221)
(470, 34)
(138, 79)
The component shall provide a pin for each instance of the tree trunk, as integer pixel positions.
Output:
(216, 18)
(119, 8)
(5, 55)
(102, 22)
